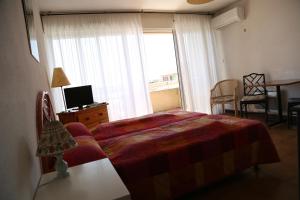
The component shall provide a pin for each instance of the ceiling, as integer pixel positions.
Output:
(129, 5)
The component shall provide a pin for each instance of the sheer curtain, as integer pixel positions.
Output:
(195, 43)
(104, 51)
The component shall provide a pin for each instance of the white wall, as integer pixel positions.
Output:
(268, 41)
(157, 21)
(21, 77)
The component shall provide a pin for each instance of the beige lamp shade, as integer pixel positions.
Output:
(198, 1)
(54, 139)
(59, 78)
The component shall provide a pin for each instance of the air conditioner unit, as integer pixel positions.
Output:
(236, 14)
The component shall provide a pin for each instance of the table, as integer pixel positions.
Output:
(278, 84)
(90, 181)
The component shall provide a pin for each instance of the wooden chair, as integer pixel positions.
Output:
(297, 110)
(292, 102)
(225, 92)
(254, 93)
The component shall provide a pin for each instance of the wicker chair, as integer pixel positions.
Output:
(225, 92)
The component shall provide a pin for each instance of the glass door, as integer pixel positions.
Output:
(162, 71)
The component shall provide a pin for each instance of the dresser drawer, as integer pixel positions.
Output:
(90, 117)
(93, 117)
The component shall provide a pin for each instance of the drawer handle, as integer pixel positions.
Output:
(87, 118)
(100, 114)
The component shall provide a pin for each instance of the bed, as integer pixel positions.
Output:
(167, 155)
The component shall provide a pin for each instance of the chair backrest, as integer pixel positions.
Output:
(225, 87)
(254, 84)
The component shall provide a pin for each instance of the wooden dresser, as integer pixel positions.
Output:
(90, 116)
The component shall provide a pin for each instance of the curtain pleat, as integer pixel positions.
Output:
(196, 52)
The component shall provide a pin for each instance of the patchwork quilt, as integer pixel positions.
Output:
(167, 155)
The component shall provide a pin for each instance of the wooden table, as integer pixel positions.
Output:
(278, 84)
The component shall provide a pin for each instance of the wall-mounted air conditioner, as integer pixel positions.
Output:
(234, 15)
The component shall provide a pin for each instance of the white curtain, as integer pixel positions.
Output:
(195, 43)
(104, 51)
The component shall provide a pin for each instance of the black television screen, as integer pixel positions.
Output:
(79, 96)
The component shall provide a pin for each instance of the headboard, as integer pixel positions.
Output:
(44, 113)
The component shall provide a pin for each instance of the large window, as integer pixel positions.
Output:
(103, 51)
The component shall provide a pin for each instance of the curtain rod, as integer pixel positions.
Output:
(48, 13)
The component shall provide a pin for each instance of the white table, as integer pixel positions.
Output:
(97, 180)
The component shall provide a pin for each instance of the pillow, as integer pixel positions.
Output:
(77, 129)
(87, 150)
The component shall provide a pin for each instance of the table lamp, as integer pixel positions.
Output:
(59, 79)
(53, 141)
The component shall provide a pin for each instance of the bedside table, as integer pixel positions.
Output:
(91, 181)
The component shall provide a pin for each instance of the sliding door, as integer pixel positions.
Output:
(161, 71)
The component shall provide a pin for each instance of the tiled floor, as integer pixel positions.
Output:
(274, 181)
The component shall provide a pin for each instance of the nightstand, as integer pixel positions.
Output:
(91, 181)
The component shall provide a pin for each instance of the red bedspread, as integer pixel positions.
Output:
(165, 160)
(122, 127)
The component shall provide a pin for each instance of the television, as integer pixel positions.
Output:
(78, 96)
